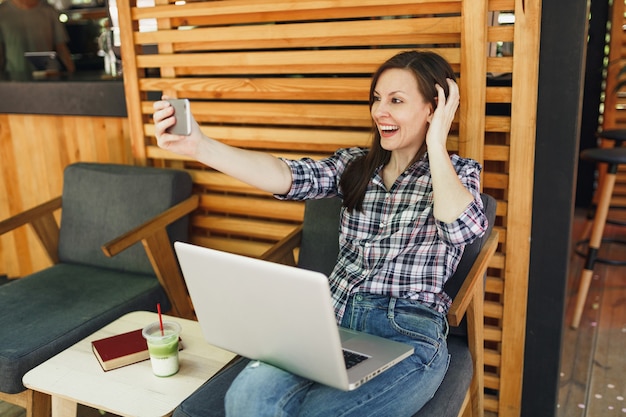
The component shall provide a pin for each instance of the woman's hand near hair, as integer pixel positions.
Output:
(443, 116)
(258, 169)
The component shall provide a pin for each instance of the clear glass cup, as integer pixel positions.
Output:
(163, 347)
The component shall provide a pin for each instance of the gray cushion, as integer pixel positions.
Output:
(449, 397)
(50, 310)
(102, 201)
(320, 235)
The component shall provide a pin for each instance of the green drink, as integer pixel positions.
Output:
(163, 347)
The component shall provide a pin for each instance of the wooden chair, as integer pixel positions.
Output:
(86, 288)
(462, 391)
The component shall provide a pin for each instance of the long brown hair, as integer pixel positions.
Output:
(429, 69)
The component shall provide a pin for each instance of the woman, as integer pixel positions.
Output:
(409, 209)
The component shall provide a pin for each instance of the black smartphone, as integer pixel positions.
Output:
(182, 113)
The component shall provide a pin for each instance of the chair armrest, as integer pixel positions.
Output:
(150, 227)
(156, 242)
(470, 302)
(474, 280)
(282, 251)
(41, 219)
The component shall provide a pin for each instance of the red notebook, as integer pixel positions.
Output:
(121, 350)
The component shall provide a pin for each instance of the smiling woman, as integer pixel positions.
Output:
(405, 222)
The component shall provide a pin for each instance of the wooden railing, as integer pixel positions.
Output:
(292, 78)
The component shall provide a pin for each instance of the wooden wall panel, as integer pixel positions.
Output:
(520, 191)
(291, 78)
(34, 150)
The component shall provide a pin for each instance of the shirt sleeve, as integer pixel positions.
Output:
(318, 178)
(472, 222)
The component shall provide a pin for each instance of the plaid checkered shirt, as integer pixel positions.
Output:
(394, 246)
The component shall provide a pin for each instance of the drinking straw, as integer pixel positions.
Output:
(160, 318)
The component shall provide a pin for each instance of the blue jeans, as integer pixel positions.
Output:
(262, 390)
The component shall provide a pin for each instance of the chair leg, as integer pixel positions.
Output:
(37, 404)
(41, 405)
(595, 241)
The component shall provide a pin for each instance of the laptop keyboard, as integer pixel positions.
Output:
(352, 358)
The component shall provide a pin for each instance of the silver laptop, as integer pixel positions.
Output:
(280, 315)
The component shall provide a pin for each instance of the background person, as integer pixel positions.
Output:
(30, 26)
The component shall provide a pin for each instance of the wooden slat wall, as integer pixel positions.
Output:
(292, 78)
(34, 150)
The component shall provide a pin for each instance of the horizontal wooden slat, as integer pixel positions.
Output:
(500, 65)
(492, 358)
(494, 285)
(318, 88)
(493, 334)
(286, 10)
(493, 310)
(498, 124)
(216, 181)
(501, 5)
(498, 94)
(497, 153)
(364, 61)
(492, 381)
(495, 180)
(234, 226)
(238, 246)
(502, 210)
(269, 208)
(498, 259)
(500, 33)
(491, 403)
(343, 33)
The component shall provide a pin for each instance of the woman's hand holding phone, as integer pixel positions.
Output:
(175, 128)
(182, 113)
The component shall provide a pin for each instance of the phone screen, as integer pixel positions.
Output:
(183, 117)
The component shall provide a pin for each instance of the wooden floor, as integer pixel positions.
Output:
(593, 362)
